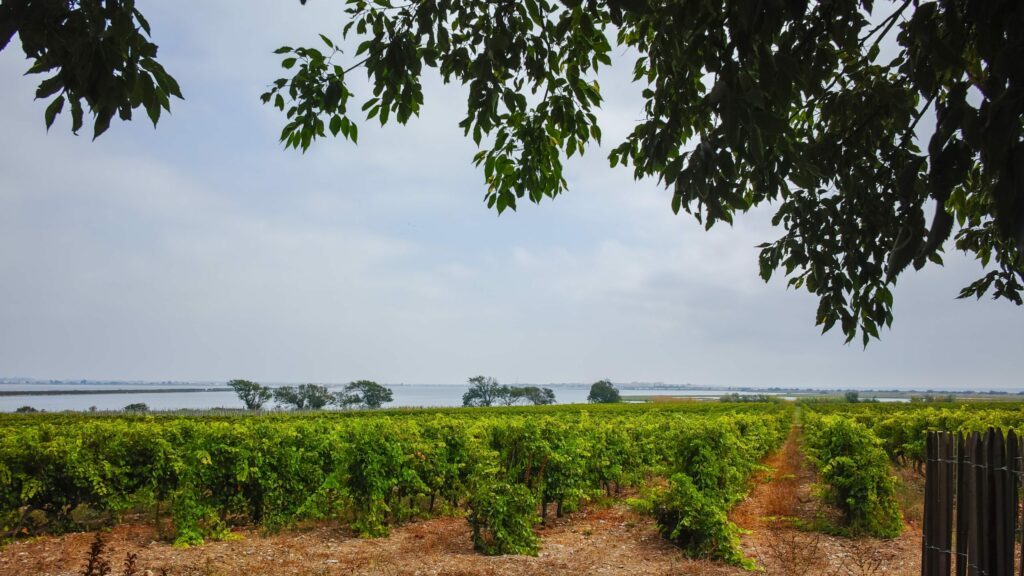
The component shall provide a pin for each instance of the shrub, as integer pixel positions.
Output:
(502, 516)
(378, 471)
(855, 468)
(696, 522)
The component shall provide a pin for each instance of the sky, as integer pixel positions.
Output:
(202, 250)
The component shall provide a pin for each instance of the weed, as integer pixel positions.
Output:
(786, 552)
(96, 564)
(910, 494)
(131, 567)
(863, 559)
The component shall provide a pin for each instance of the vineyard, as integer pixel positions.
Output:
(902, 428)
(503, 472)
(506, 470)
(854, 447)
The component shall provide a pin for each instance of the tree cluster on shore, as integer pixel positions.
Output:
(358, 394)
(486, 391)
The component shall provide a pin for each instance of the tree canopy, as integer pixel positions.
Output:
(512, 395)
(877, 133)
(483, 391)
(252, 394)
(303, 396)
(97, 57)
(603, 392)
(486, 391)
(363, 394)
(536, 395)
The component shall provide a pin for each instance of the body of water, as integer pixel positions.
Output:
(111, 396)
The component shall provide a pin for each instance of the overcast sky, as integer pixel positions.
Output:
(204, 251)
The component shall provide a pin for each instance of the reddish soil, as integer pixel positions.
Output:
(784, 497)
(607, 541)
(610, 540)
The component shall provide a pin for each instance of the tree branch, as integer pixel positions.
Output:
(888, 23)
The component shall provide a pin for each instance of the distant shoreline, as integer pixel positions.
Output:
(96, 392)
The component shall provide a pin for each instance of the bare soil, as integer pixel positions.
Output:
(783, 498)
(607, 541)
(612, 540)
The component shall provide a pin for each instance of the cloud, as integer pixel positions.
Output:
(202, 250)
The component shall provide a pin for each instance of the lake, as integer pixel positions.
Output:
(110, 396)
(204, 395)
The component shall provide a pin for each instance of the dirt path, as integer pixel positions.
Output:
(607, 541)
(782, 496)
(598, 541)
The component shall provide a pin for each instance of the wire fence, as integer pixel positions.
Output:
(971, 512)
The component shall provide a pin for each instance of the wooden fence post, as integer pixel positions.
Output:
(981, 474)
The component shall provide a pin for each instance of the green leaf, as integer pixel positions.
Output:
(53, 109)
(76, 116)
(332, 96)
(49, 87)
(103, 118)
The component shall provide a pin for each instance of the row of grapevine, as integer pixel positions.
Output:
(852, 446)
(13, 419)
(503, 469)
(709, 464)
(854, 467)
(903, 428)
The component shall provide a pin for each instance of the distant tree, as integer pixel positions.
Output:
(137, 407)
(315, 396)
(852, 396)
(507, 395)
(363, 394)
(483, 391)
(303, 397)
(734, 397)
(252, 394)
(512, 395)
(603, 392)
(934, 398)
(287, 396)
(26, 410)
(538, 396)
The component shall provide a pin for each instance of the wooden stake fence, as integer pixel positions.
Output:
(972, 483)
